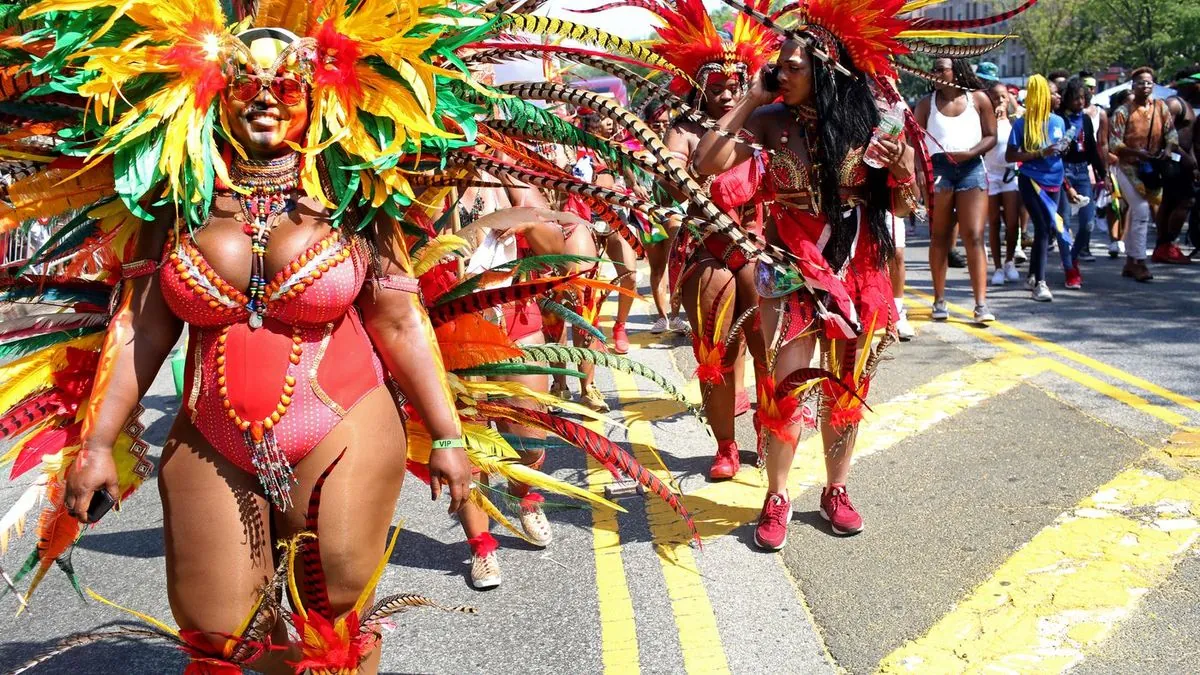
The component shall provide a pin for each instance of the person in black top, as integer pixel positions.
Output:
(1085, 168)
(1179, 174)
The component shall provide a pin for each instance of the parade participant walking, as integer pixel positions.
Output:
(1037, 141)
(1081, 161)
(828, 207)
(960, 124)
(713, 278)
(1142, 137)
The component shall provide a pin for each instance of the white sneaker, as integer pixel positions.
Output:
(1030, 282)
(983, 314)
(485, 571)
(680, 325)
(536, 527)
(1010, 271)
(1019, 255)
(998, 277)
(940, 312)
(904, 329)
(1116, 249)
(1042, 293)
(660, 326)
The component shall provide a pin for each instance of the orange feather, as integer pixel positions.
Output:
(470, 341)
(57, 530)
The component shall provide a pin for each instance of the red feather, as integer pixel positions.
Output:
(481, 300)
(46, 442)
(24, 415)
(599, 447)
(315, 585)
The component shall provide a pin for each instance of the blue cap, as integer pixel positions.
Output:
(988, 71)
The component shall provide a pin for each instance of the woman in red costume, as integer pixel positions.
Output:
(714, 277)
(282, 374)
(817, 112)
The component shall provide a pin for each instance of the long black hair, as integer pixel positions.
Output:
(846, 119)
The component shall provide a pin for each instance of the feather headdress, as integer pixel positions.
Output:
(689, 40)
(153, 73)
(875, 32)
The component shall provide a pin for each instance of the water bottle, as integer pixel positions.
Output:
(891, 125)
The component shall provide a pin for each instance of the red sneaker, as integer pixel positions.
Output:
(771, 532)
(1074, 279)
(726, 462)
(741, 403)
(837, 509)
(620, 338)
(1176, 256)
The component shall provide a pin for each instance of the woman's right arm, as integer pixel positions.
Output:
(140, 336)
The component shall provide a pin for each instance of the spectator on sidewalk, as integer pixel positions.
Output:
(1179, 175)
(1004, 202)
(1082, 163)
(1142, 136)
(1036, 142)
(960, 125)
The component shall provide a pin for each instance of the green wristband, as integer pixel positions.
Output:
(447, 443)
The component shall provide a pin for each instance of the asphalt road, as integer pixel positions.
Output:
(1031, 494)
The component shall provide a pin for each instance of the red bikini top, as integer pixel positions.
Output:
(317, 287)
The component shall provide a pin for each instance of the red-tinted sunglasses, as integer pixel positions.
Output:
(286, 90)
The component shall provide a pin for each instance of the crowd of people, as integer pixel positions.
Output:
(387, 264)
(1048, 157)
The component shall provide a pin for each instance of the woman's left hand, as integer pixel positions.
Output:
(894, 154)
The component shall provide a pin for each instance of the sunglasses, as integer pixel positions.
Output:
(286, 90)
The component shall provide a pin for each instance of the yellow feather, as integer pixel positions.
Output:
(478, 498)
(433, 252)
(374, 580)
(12, 525)
(517, 390)
(144, 617)
(35, 371)
(945, 35)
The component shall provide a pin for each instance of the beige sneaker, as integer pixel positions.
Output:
(561, 390)
(536, 527)
(485, 571)
(592, 398)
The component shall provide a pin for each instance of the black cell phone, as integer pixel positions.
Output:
(771, 78)
(102, 502)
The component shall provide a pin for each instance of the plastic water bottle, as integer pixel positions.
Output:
(891, 125)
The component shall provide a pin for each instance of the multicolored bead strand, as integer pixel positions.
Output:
(272, 187)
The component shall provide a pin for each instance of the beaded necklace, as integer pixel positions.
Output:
(272, 187)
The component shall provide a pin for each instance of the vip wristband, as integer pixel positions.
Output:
(447, 443)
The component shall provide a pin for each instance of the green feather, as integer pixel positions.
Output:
(518, 267)
(567, 315)
(514, 369)
(552, 353)
(30, 345)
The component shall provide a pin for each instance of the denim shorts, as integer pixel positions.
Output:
(960, 177)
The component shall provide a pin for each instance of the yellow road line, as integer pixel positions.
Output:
(699, 637)
(1065, 591)
(723, 507)
(1098, 366)
(618, 628)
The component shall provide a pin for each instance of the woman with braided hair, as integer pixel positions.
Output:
(828, 208)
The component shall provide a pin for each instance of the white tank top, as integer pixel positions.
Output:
(994, 159)
(952, 134)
